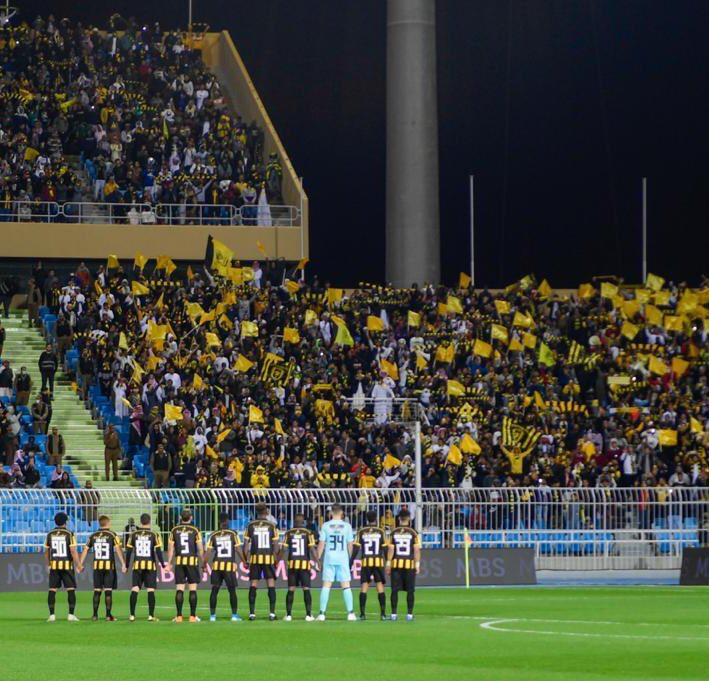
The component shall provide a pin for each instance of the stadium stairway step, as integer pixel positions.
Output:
(82, 437)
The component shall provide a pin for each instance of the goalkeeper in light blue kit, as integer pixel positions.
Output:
(335, 548)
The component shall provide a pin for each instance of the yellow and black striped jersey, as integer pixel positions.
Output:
(224, 543)
(404, 540)
(299, 541)
(144, 543)
(59, 543)
(262, 536)
(373, 544)
(104, 543)
(186, 539)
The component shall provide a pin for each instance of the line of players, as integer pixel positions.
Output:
(397, 556)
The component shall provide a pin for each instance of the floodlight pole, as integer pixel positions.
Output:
(472, 230)
(189, 21)
(419, 495)
(644, 230)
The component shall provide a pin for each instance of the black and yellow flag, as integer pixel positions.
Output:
(275, 370)
(515, 435)
(576, 353)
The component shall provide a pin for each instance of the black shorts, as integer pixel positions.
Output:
(105, 579)
(145, 578)
(59, 578)
(369, 574)
(262, 572)
(187, 574)
(226, 576)
(403, 580)
(299, 578)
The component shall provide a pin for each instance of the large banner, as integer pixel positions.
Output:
(695, 567)
(441, 567)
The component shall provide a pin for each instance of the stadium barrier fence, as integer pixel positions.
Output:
(571, 528)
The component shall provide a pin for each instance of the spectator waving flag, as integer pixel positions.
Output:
(516, 435)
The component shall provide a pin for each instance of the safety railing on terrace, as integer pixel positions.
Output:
(180, 214)
(579, 528)
(383, 410)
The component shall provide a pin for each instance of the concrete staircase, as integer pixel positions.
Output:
(83, 439)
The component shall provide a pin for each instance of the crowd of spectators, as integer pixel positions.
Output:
(276, 382)
(140, 109)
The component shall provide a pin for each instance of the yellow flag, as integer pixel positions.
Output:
(673, 323)
(453, 305)
(112, 262)
(657, 366)
(688, 303)
(247, 273)
(137, 372)
(679, 366)
(173, 413)
(516, 346)
(139, 261)
(499, 332)
(123, 341)
(445, 353)
(138, 289)
(208, 317)
(523, 320)
(482, 348)
(502, 307)
(190, 273)
(160, 302)
(334, 295)
(539, 400)
(255, 414)
(662, 298)
(653, 315)
(229, 298)
(608, 290)
(464, 280)
(222, 256)
(642, 296)
(225, 322)
(390, 368)
(194, 310)
(455, 388)
(291, 335)
(468, 445)
(629, 330)
(442, 309)
(302, 263)
(375, 323)
(421, 362)
(390, 461)
(153, 362)
(311, 318)
(163, 262)
(667, 438)
(546, 356)
(654, 282)
(249, 329)
(695, 425)
(544, 289)
(212, 340)
(630, 308)
(529, 340)
(413, 318)
(455, 456)
(278, 426)
(197, 382)
(343, 337)
(262, 249)
(156, 332)
(292, 286)
(222, 435)
(243, 364)
(97, 288)
(126, 403)
(586, 291)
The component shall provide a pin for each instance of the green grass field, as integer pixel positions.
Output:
(511, 633)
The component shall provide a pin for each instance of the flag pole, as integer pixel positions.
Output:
(472, 230)
(644, 230)
(419, 496)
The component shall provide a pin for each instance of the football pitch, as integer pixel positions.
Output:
(503, 633)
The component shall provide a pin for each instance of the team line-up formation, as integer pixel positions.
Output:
(397, 556)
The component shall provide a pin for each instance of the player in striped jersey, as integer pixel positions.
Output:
(61, 556)
(403, 563)
(260, 546)
(225, 544)
(299, 542)
(106, 545)
(185, 543)
(371, 541)
(146, 547)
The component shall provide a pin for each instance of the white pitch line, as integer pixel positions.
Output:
(492, 625)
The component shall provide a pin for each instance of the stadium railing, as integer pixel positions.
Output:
(98, 212)
(579, 528)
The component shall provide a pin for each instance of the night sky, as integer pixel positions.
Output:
(557, 107)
